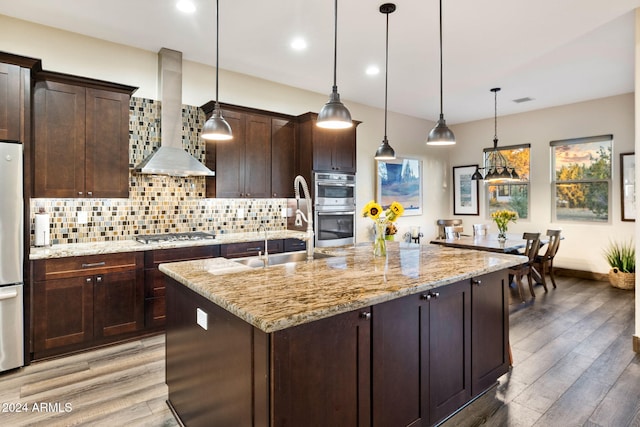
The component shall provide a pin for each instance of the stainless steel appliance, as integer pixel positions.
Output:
(334, 209)
(11, 256)
(174, 237)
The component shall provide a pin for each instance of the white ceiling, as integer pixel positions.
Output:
(554, 51)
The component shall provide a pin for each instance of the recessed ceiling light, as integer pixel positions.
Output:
(372, 70)
(298, 43)
(521, 100)
(186, 6)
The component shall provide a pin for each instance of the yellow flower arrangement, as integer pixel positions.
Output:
(502, 218)
(383, 223)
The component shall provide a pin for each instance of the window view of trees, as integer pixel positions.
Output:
(582, 179)
(513, 195)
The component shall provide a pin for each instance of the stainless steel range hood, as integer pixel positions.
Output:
(170, 158)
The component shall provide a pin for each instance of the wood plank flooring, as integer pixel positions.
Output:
(573, 366)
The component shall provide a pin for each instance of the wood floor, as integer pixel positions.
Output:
(573, 366)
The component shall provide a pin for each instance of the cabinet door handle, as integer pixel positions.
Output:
(430, 295)
(88, 279)
(89, 193)
(99, 279)
(477, 282)
(254, 249)
(93, 264)
(365, 315)
(79, 193)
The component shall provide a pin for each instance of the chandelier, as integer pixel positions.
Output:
(496, 166)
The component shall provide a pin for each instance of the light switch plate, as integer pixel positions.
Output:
(201, 318)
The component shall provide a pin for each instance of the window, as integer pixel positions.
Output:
(512, 195)
(582, 178)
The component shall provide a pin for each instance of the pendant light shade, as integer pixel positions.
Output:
(496, 165)
(216, 127)
(441, 134)
(384, 151)
(334, 115)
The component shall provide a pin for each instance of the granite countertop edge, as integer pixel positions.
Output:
(118, 246)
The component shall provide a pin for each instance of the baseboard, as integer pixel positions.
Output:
(581, 274)
(636, 344)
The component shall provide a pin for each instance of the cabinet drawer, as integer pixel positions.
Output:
(245, 249)
(292, 245)
(153, 258)
(60, 268)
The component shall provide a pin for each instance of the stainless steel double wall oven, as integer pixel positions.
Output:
(335, 208)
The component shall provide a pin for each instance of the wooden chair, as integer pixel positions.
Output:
(531, 250)
(442, 223)
(544, 263)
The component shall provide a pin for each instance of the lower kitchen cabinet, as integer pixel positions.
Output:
(412, 361)
(154, 279)
(246, 249)
(81, 302)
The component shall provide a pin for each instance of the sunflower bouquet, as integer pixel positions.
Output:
(383, 222)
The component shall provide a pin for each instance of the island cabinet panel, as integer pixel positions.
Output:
(210, 372)
(449, 349)
(10, 102)
(489, 330)
(83, 302)
(322, 372)
(400, 373)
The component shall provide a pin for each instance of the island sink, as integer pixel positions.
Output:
(277, 259)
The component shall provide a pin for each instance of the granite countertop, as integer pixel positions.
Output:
(81, 249)
(287, 295)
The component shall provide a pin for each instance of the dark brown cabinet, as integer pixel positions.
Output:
(154, 279)
(283, 157)
(81, 137)
(311, 392)
(80, 302)
(245, 249)
(332, 150)
(10, 102)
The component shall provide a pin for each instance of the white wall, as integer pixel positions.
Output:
(74, 54)
(583, 244)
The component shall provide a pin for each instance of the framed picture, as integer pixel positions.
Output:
(400, 180)
(628, 186)
(465, 191)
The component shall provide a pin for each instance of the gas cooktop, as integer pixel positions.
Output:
(174, 237)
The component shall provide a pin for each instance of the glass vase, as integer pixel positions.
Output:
(379, 242)
(502, 234)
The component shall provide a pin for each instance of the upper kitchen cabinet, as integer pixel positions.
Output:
(259, 162)
(328, 150)
(81, 137)
(15, 96)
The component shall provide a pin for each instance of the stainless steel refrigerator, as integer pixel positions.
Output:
(11, 256)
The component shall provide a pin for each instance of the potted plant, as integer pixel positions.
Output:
(622, 260)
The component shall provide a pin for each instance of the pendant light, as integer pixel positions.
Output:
(441, 134)
(216, 127)
(496, 165)
(334, 115)
(384, 151)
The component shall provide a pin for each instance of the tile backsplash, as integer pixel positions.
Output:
(157, 204)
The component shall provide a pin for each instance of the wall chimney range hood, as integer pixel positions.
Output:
(170, 158)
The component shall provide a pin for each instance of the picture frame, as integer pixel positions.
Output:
(628, 186)
(400, 180)
(465, 191)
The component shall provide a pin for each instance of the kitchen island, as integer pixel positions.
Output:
(348, 340)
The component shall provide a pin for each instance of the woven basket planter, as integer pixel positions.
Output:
(622, 280)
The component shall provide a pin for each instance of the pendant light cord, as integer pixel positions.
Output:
(335, 44)
(386, 77)
(441, 109)
(217, 46)
(495, 117)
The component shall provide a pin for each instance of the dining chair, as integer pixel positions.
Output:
(544, 263)
(442, 223)
(530, 250)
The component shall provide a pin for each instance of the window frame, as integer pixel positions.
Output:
(555, 182)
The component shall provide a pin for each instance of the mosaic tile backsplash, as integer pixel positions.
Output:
(157, 204)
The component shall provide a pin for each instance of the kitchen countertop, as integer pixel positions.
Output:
(287, 295)
(81, 249)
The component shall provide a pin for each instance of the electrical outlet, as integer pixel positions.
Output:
(82, 217)
(240, 213)
(202, 318)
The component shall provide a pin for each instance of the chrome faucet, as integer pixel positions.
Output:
(264, 258)
(299, 180)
